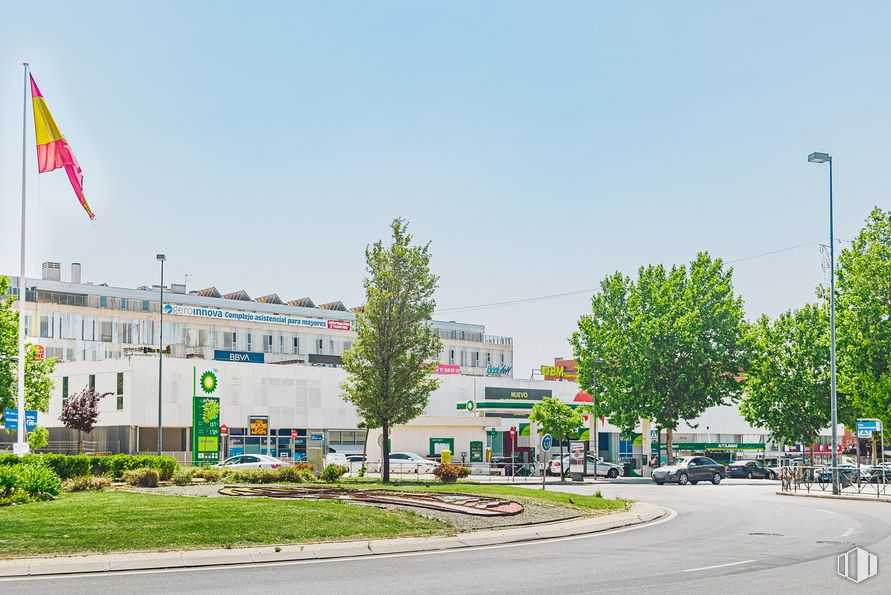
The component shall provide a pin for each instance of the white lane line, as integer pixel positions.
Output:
(719, 566)
(848, 532)
(824, 510)
(672, 514)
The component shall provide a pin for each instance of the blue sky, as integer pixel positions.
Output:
(262, 146)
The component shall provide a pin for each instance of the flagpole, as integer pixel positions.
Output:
(21, 447)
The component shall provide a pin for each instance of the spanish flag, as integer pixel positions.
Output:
(53, 151)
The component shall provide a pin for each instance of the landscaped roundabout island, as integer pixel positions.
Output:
(114, 506)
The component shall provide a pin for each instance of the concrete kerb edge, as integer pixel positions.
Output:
(639, 513)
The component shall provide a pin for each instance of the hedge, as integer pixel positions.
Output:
(68, 466)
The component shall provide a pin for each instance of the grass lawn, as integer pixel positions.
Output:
(578, 501)
(98, 522)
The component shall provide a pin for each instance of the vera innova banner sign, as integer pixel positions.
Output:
(238, 316)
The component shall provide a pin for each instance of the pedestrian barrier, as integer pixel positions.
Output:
(864, 480)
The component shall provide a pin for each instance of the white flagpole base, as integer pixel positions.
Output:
(21, 448)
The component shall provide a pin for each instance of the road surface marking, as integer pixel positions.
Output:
(241, 566)
(719, 566)
(848, 532)
(824, 510)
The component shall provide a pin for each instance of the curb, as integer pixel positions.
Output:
(834, 497)
(639, 513)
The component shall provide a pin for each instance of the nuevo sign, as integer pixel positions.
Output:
(516, 394)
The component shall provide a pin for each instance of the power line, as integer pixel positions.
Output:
(552, 296)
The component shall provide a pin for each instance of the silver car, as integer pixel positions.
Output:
(604, 469)
(252, 462)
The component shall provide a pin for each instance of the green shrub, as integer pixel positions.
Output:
(9, 477)
(39, 481)
(210, 474)
(295, 474)
(448, 473)
(84, 483)
(115, 465)
(17, 496)
(253, 476)
(144, 477)
(182, 478)
(304, 466)
(333, 472)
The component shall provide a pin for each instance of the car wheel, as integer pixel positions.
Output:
(612, 473)
(682, 479)
(749, 475)
(660, 483)
(716, 478)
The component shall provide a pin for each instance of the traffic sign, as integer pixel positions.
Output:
(513, 432)
(864, 433)
(322, 437)
(546, 442)
(869, 425)
(224, 429)
(294, 434)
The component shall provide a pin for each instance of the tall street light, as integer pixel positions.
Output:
(827, 158)
(161, 258)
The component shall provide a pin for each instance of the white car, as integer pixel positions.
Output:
(405, 462)
(336, 458)
(604, 469)
(252, 462)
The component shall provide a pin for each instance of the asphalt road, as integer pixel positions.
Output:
(738, 537)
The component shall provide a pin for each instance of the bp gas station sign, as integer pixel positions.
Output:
(205, 417)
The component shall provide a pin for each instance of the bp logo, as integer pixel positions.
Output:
(208, 382)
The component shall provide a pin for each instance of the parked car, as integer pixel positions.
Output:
(690, 470)
(356, 458)
(750, 470)
(604, 468)
(405, 462)
(847, 475)
(880, 474)
(252, 462)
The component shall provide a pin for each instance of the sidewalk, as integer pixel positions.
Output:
(638, 514)
(859, 497)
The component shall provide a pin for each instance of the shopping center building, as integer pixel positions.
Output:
(280, 361)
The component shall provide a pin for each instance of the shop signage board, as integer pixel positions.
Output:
(250, 357)
(447, 369)
(517, 394)
(239, 316)
(319, 437)
(716, 446)
(258, 425)
(498, 370)
(577, 459)
(476, 451)
(39, 352)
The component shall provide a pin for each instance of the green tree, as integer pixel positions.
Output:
(389, 381)
(787, 388)
(553, 416)
(671, 344)
(38, 384)
(38, 438)
(863, 317)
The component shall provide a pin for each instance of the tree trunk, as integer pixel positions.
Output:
(80, 442)
(385, 452)
(669, 446)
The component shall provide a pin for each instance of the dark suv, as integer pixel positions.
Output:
(690, 470)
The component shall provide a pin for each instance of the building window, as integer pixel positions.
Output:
(44, 326)
(124, 304)
(451, 357)
(502, 358)
(319, 345)
(145, 305)
(64, 390)
(331, 346)
(103, 301)
(92, 381)
(248, 341)
(296, 345)
(120, 391)
(281, 343)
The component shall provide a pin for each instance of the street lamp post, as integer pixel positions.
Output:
(161, 258)
(827, 158)
(597, 360)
